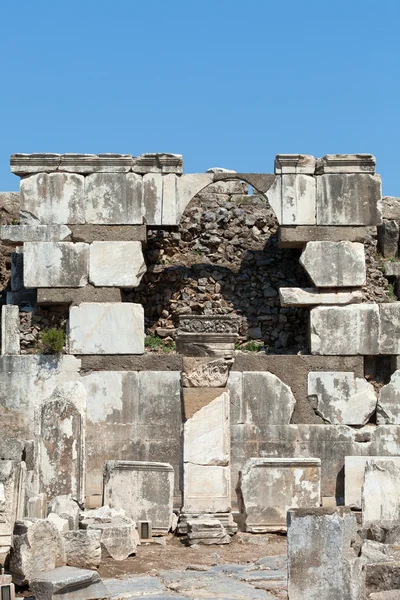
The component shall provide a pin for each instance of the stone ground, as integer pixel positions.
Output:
(251, 567)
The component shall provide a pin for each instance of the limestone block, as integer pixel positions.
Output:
(69, 583)
(89, 293)
(116, 264)
(388, 237)
(144, 489)
(152, 198)
(187, 186)
(354, 468)
(55, 198)
(10, 329)
(206, 531)
(389, 337)
(314, 297)
(206, 488)
(65, 507)
(346, 163)
(169, 200)
(274, 197)
(36, 506)
(15, 234)
(388, 407)
(391, 207)
(82, 548)
(55, 264)
(17, 270)
(61, 524)
(342, 397)
(90, 325)
(271, 486)
(298, 200)
(296, 236)
(162, 162)
(108, 233)
(119, 537)
(113, 199)
(9, 474)
(345, 330)
(37, 546)
(206, 434)
(320, 557)
(335, 264)
(392, 269)
(96, 163)
(24, 164)
(353, 199)
(60, 423)
(203, 372)
(266, 399)
(380, 498)
(210, 344)
(143, 587)
(196, 398)
(294, 163)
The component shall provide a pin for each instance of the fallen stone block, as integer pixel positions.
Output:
(10, 343)
(119, 537)
(314, 297)
(113, 199)
(381, 578)
(271, 486)
(65, 507)
(37, 546)
(69, 583)
(90, 325)
(55, 264)
(53, 199)
(346, 163)
(207, 532)
(388, 237)
(116, 264)
(380, 498)
(342, 397)
(294, 163)
(335, 264)
(82, 548)
(61, 524)
(225, 518)
(354, 468)
(15, 234)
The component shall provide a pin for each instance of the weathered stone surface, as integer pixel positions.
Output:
(133, 587)
(187, 186)
(345, 330)
(346, 163)
(388, 237)
(209, 344)
(108, 233)
(15, 234)
(380, 499)
(55, 264)
(392, 269)
(169, 200)
(389, 335)
(60, 423)
(391, 207)
(320, 557)
(10, 329)
(226, 519)
(298, 200)
(9, 475)
(383, 576)
(342, 397)
(388, 595)
(113, 199)
(24, 164)
(69, 583)
(195, 398)
(37, 546)
(271, 486)
(152, 198)
(335, 264)
(118, 533)
(36, 506)
(116, 264)
(144, 490)
(61, 524)
(298, 236)
(65, 507)
(388, 407)
(294, 163)
(96, 163)
(163, 162)
(91, 323)
(89, 293)
(353, 199)
(354, 468)
(82, 548)
(206, 531)
(55, 198)
(314, 297)
(206, 488)
(200, 372)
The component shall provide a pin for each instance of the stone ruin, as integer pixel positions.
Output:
(105, 446)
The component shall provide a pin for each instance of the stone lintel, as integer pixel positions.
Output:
(294, 163)
(314, 296)
(108, 233)
(88, 293)
(346, 163)
(145, 362)
(158, 163)
(297, 236)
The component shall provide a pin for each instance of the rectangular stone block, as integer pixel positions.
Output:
(169, 200)
(15, 234)
(89, 293)
(206, 488)
(145, 490)
(195, 398)
(116, 264)
(345, 330)
(69, 583)
(152, 198)
(113, 199)
(188, 185)
(294, 163)
(55, 264)
(335, 264)
(108, 233)
(380, 498)
(391, 208)
(91, 323)
(314, 297)
(162, 162)
(389, 338)
(38, 162)
(10, 329)
(349, 199)
(354, 468)
(271, 486)
(298, 235)
(392, 268)
(346, 163)
(298, 200)
(96, 163)
(9, 475)
(55, 198)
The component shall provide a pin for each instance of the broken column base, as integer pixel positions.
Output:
(69, 583)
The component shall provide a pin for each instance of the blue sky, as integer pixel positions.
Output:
(224, 82)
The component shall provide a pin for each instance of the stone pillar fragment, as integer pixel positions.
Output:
(380, 496)
(9, 476)
(10, 330)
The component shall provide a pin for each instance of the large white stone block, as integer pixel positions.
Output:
(346, 163)
(206, 488)
(169, 200)
(271, 486)
(294, 163)
(116, 264)
(314, 297)
(106, 328)
(152, 198)
(349, 199)
(55, 264)
(10, 329)
(298, 200)
(114, 198)
(69, 583)
(145, 490)
(380, 495)
(389, 338)
(54, 198)
(342, 398)
(345, 330)
(34, 233)
(388, 407)
(335, 264)
(187, 186)
(354, 468)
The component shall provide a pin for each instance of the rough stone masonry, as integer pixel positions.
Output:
(104, 443)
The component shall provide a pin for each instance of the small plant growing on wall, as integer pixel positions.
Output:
(52, 340)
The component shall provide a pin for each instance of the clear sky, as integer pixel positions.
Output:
(226, 83)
